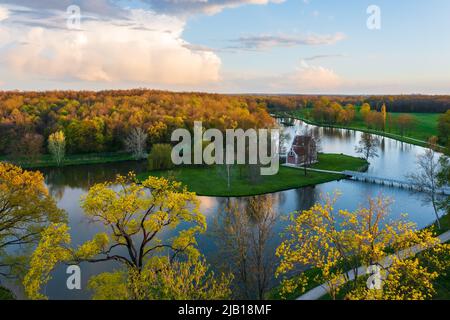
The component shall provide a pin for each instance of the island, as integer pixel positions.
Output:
(212, 180)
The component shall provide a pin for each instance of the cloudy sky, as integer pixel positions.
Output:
(230, 46)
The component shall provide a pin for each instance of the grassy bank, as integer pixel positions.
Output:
(425, 125)
(71, 160)
(212, 180)
(6, 294)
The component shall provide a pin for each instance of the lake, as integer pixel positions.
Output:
(395, 160)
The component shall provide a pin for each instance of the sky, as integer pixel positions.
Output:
(227, 46)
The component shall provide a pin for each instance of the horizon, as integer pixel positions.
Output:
(231, 93)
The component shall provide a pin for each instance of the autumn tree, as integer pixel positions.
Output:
(28, 149)
(57, 146)
(426, 178)
(409, 278)
(384, 116)
(374, 120)
(404, 123)
(178, 280)
(338, 243)
(136, 143)
(365, 110)
(26, 208)
(346, 115)
(368, 146)
(135, 217)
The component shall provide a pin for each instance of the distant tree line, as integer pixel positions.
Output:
(394, 103)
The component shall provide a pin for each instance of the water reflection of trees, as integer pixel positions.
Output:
(306, 197)
(85, 176)
(244, 229)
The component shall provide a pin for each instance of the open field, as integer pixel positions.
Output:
(425, 125)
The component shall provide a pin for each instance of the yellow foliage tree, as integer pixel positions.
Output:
(410, 279)
(57, 146)
(134, 215)
(384, 115)
(338, 243)
(26, 208)
(365, 110)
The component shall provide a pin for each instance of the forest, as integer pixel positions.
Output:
(97, 122)
(395, 103)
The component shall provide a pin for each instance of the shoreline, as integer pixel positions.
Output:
(72, 160)
(393, 136)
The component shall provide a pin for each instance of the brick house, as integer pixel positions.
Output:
(303, 150)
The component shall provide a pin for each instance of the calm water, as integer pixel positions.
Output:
(396, 160)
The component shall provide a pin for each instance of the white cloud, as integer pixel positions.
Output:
(4, 13)
(315, 78)
(202, 6)
(305, 79)
(263, 42)
(149, 51)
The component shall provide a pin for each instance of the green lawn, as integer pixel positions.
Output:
(70, 160)
(425, 125)
(6, 294)
(212, 181)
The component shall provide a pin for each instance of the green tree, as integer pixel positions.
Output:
(160, 157)
(444, 128)
(85, 136)
(443, 181)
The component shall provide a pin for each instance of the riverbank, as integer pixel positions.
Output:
(213, 181)
(46, 161)
(425, 127)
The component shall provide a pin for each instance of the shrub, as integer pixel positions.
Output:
(160, 157)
